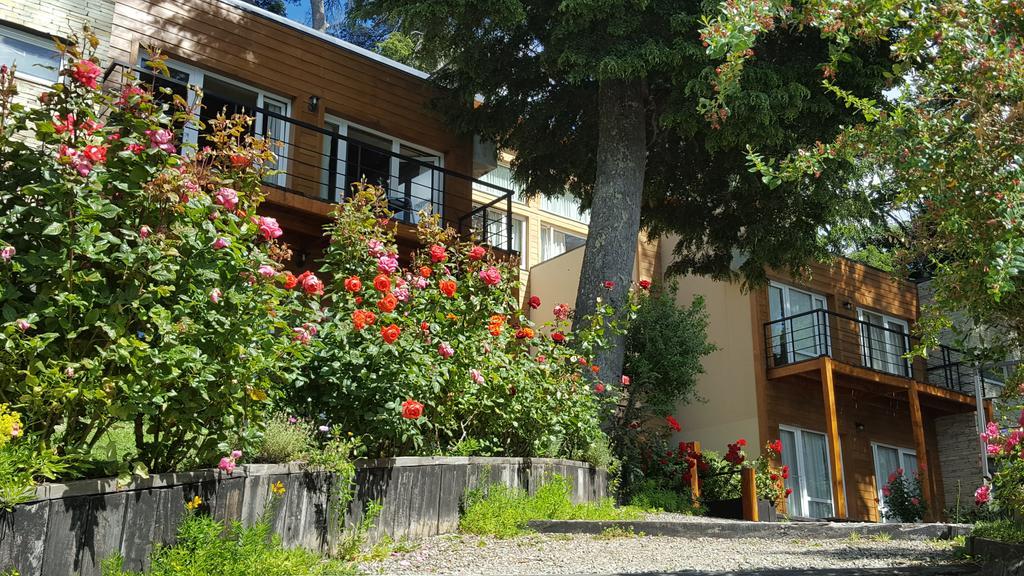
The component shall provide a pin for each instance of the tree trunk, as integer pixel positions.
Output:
(615, 210)
(319, 14)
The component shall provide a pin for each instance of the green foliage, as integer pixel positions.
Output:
(903, 499)
(665, 345)
(352, 541)
(652, 495)
(498, 510)
(22, 462)
(1001, 530)
(1005, 445)
(433, 359)
(716, 481)
(538, 66)
(130, 292)
(284, 439)
(204, 547)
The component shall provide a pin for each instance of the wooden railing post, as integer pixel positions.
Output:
(748, 492)
(695, 475)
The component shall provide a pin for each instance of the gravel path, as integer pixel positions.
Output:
(539, 554)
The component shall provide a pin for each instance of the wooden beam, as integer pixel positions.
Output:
(989, 415)
(695, 476)
(947, 394)
(832, 428)
(917, 424)
(798, 368)
(871, 375)
(748, 493)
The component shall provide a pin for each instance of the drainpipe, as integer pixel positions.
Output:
(979, 399)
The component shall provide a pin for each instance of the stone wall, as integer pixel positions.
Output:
(61, 18)
(70, 528)
(959, 458)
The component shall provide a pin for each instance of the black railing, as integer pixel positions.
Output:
(322, 163)
(864, 344)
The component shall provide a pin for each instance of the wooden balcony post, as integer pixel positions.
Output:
(748, 493)
(917, 423)
(695, 476)
(832, 429)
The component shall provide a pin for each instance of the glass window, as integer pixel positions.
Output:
(884, 342)
(565, 206)
(501, 176)
(806, 454)
(797, 332)
(554, 242)
(493, 225)
(888, 459)
(35, 56)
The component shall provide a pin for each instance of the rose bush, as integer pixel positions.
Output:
(138, 288)
(1004, 498)
(903, 499)
(437, 357)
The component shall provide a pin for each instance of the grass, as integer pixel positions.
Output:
(497, 510)
(617, 532)
(650, 496)
(1001, 530)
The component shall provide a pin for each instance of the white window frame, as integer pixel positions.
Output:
(865, 337)
(553, 228)
(25, 72)
(396, 147)
(880, 480)
(805, 500)
(197, 77)
(786, 312)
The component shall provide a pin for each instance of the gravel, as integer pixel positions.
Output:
(540, 554)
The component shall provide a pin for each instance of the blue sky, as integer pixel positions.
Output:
(298, 11)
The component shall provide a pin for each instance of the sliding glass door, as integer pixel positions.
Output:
(806, 454)
(889, 459)
(798, 333)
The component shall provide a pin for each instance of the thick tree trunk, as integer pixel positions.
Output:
(615, 210)
(319, 14)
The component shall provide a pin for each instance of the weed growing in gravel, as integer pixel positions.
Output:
(854, 537)
(880, 537)
(616, 532)
(501, 511)
(388, 546)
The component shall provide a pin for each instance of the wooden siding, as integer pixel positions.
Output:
(295, 65)
(798, 401)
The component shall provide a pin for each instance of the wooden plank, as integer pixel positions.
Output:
(228, 504)
(142, 507)
(813, 365)
(22, 538)
(452, 488)
(400, 500)
(917, 422)
(103, 533)
(291, 505)
(832, 428)
(64, 535)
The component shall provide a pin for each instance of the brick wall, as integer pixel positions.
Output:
(959, 457)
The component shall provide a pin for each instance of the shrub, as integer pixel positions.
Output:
(1004, 530)
(651, 495)
(437, 357)
(1004, 498)
(136, 283)
(498, 510)
(664, 347)
(284, 439)
(903, 500)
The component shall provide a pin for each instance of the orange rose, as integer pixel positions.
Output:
(382, 283)
(387, 303)
(447, 287)
(390, 334)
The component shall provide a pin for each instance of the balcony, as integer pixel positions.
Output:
(876, 348)
(316, 166)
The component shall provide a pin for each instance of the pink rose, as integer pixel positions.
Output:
(227, 198)
(915, 501)
(221, 243)
(445, 350)
(387, 264)
(981, 495)
(885, 491)
(6, 253)
(419, 282)
(161, 139)
(227, 465)
(236, 454)
(85, 72)
(476, 376)
(402, 293)
(269, 228)
(376, 248)
(562, 311)
(301, 335)
(266, 271)
(215, 295)
(625, 380)
(144, 232)
(491, 276)
(23, 324)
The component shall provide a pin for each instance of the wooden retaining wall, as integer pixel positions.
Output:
(70, 528)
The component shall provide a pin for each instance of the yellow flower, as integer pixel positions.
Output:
(10, 425)
(194, 503)
(277, 488)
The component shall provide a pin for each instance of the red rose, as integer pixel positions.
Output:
(438, 254)
(310, 283)
(625, 380)
(411, 410)
(595, 368)
(776, 446)
(608, 284)
(447, 287)
(85, 72)
(741, 442)
(239, 161)
(525, 333)
(476, 252)
(95, 154)
(390, 334)
(359, 300)
(290, 281)
(382, 283)
(599, 388)
(353, 284)
(534, 302)
(424, 326)
(558, 337)
(645, 284)
(673, 423)
(425, 271)
(789, 491)
(387, 303)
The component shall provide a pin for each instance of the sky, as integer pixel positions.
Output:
(298, 11)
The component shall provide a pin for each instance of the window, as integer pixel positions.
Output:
(554, 242)
(565, 206)
(501, 176)
(797, 332)
(884, 342)
(810, 477)
(887, 460)
(35, 56)
(494, 232)
(230, 97)
(407, 172)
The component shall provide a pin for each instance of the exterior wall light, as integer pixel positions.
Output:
(314, 103)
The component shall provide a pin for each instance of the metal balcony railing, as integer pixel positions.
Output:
(319, 162)
(860, 343)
